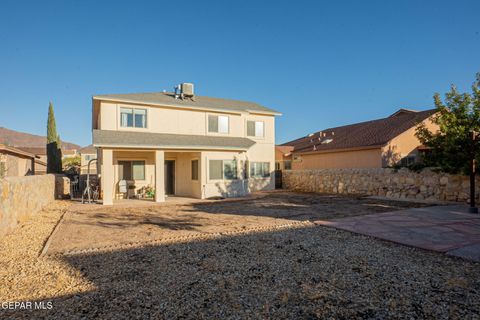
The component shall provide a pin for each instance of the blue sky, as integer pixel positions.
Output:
(321, 63)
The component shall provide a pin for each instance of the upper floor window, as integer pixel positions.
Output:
(255, 128)
(218, 124)
(133, 118)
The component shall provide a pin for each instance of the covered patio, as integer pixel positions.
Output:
(143, 165)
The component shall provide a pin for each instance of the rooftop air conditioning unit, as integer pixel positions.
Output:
(187, 89)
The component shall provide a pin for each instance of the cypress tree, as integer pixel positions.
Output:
(54, 154)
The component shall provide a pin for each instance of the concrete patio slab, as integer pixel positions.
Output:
(448, 229)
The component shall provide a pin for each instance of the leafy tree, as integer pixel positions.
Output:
(458, 115)
(54, 152)
(71, 162)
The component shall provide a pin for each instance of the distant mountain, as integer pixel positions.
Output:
(22, 139)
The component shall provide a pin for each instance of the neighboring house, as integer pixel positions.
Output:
(181, 144)
(371, 144)
(69, 153)
(40, 152)
(86, 154)
(15, 162)
(283, 157)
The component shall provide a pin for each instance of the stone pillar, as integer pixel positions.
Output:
(108, 176)
(159, 176)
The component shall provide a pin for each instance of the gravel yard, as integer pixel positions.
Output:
(302, 272)
(82, 229)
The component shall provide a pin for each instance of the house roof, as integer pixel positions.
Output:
(198, 102)
(131, 139)
(369, 134)
(17, 151)
(40, 151)
(90, 149)
(285, 150)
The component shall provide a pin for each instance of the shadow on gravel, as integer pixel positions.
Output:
(125, 220)
(299, 273)
(305, 206)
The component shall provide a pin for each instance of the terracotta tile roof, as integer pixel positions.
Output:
(360, 135)
(284, 149)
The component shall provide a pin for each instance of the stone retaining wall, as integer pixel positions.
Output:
(401, 184)
(22, 197)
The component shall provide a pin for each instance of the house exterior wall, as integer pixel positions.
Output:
(84, 159)
(370, 158)
(106, 116)
(16, 166)
(181, 121)
(403, 145)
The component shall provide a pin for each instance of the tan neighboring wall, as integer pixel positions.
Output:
(405, 144)
(369, 158)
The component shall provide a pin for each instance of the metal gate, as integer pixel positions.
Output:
(278, 179)
(78, 183)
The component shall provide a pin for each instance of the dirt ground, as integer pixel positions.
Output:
(117, 225)
(303, 272)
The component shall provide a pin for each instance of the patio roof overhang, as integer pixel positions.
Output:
(148, 140)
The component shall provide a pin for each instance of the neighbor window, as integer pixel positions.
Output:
(131, 170)
(255, 129)
(133, 118)
(407, 161)
(194, 169)
(218, 124)
(260, 169)
(287, 165)
(222, 169)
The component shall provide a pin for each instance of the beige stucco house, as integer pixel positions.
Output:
(371, 144)
(87, 154)
(182, 144)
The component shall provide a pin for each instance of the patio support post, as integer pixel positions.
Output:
(107, 176)
(159, 176)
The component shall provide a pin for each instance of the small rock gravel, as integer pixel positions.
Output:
(299, 273)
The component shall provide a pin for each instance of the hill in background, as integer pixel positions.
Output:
(22, 139)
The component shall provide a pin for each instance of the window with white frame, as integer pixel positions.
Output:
(222, 169)
(259, 169)
(255, 128)
(133, 118)
(218, 124)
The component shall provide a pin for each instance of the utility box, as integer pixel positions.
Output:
(187, 89)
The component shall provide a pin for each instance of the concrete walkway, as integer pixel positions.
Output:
(447, 229)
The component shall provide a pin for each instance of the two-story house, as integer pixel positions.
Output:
(182, 144)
